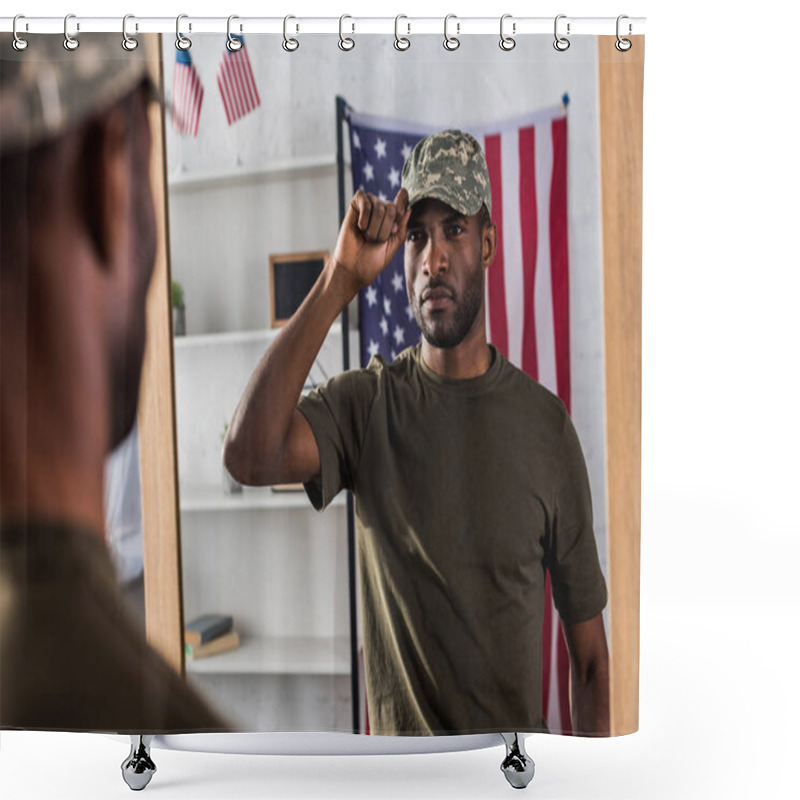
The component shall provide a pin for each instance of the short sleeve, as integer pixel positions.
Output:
(338, 413)
(579, 589)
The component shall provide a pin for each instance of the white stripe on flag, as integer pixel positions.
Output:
(512, 244)
(543, 306)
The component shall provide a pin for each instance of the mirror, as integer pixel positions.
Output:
(253, 171)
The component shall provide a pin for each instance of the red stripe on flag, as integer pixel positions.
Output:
(237, 86)
(530, 233)
(224, 96)
(251, 79)
(239, 68)
(233, 97)
(197, 102)
(559, 259)
(497, 288)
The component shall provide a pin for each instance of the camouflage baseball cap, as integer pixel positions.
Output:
(46, 89)
(449, 166)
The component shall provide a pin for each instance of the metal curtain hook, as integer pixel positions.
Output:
(128, 42)
(289, 44)
(400, 42)
(70, 42)
(451, 42)
(561, 43)
(182, 42)
(345, 42)
(507, 42)
(233, 44)
(19, 43)
(623, 45)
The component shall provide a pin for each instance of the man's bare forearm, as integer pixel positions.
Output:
(255, 443)
(590, 703)
(589, 676)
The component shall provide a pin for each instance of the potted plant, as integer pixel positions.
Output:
(178, 310)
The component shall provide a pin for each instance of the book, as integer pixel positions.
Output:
(228, 641)
(207, 627)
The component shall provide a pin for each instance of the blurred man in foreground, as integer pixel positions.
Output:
(77, 248)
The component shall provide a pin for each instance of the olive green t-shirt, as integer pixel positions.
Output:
(466, 492)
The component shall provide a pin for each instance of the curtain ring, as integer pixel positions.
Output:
(561, 43)
(70, 42)
(289, 44)
(19, 43)
(623, 45)
(451, 42)
(233, 44)
(507, 42)
(128, 42)
(345, 42)
(400, 42)
(182, 42)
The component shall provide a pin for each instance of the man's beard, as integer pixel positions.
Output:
(442, 333)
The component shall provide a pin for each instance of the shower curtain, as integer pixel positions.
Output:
(448, 619)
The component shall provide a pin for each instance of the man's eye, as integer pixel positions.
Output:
(414, 236)
(455, 230)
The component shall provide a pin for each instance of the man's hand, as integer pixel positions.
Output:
(371, 235)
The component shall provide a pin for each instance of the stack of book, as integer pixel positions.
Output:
(210, 634)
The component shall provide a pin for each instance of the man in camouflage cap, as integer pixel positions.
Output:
(469, 480)
(77, 248)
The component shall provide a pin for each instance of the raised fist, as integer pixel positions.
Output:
(371, 234)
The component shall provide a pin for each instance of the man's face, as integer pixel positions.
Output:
(127, 351)
(444, 267)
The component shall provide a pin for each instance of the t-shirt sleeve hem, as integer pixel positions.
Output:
(320, 489)
(588, 609)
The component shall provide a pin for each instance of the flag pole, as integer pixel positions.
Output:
(351, 539)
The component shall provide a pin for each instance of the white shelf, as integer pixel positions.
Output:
(308, 167)
(235, 338)
(280, 656)
(211, 497)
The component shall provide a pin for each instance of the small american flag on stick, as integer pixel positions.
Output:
(237, 84)
(187, 92)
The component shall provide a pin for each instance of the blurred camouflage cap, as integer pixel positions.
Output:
(46, 89)
(449, 166)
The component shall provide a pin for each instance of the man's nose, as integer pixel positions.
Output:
(435, 257)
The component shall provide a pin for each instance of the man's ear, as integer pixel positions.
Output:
(106, 176)
(488, 244)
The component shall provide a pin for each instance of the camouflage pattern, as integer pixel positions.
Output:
(45, 89)
(449, 166)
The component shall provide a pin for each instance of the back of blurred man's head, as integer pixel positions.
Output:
(76, 211)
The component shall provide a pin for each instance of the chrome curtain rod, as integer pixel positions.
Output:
(407, 26)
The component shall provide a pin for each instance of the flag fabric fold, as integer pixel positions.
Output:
(527, 285)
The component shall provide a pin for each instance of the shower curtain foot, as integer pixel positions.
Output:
(138, 768)
(517, 766)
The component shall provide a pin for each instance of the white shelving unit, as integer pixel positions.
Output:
(266, 557)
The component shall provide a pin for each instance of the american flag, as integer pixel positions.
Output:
(527, 286)
(237, 84)
(187, 94)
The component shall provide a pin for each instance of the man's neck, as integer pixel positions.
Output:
(471, 358)
(53, 405)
